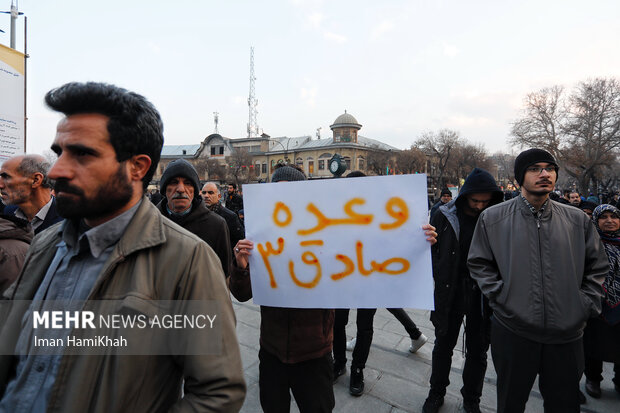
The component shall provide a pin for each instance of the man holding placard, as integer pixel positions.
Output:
(296, 343)
(340, 266)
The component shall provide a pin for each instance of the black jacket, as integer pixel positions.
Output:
(209, 226)
(446, 253)
(234, 202)
(235, 227)
(51, 218)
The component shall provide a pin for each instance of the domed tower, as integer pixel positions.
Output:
(345, 128)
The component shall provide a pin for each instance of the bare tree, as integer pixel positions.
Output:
(465, 158)
(239, 165)
(378, 162)
(439, 147)
(410, 161)
(581, 130)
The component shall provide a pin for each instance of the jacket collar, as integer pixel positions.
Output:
(449, 211)
(145, 230)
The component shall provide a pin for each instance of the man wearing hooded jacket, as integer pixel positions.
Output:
(456, 294)
(183, 204)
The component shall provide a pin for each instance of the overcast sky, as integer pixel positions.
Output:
(400, 67)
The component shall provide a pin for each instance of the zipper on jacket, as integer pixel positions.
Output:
(542, 275)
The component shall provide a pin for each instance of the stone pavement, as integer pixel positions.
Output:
(396, 381)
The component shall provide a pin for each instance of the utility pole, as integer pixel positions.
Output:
(14, 13)
(216, 120)
(252, 101)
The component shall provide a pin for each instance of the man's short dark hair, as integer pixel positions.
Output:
(135, 126)
(234, 185)
(32, 164)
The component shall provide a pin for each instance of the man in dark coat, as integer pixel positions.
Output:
(183, 205)
(211, 195)
(234, 202)
(446, 196)
(456, 294)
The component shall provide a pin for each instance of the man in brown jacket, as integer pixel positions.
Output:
(15, 237)
(295, 343)
(115, 247)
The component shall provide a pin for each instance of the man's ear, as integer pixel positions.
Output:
(37, 179)
(138, 166)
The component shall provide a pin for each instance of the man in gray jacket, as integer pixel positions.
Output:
(541, 265)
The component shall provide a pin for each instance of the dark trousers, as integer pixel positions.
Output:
(594, 371)
(310, 381)
(476, 346)
(402, 316)
(518, 360)
(365, 317)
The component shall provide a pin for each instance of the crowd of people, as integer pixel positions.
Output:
(533, 278)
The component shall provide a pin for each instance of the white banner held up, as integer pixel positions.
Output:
(340, 243)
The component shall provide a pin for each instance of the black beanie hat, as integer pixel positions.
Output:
(180, 167)
(445, 191)
(287, 173)
(530, 157)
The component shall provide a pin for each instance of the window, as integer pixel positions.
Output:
(348, 161)
(310, 167)
(213, 150)
(221, 150)
(299, 162)
(360, 163)
(321, 165)
(257, 168)
(264, 169)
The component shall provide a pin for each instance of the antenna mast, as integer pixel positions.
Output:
(252, 102)
(216, 119)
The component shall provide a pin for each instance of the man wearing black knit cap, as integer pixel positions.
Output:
(183, 204)
(541, 265)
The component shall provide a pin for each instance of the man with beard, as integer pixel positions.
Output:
(114, 251)
(234, 201)
(456, 295)
(211, 195)
(541, 264)
(183, 204)
(24, 184)
(574, 199)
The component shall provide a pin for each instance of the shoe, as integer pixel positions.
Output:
(471, 407)
(593, 388)
(432, 404)
(417, 343)
(339, 371)
(582, 397)
(351, 344)
(356, 386)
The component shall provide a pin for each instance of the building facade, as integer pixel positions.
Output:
(254, 159)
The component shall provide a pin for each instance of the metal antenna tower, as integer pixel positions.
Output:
(252, 101)
(216, 119)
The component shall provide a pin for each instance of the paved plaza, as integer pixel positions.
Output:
(396, 380)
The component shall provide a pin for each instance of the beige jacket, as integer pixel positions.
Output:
(155, 259)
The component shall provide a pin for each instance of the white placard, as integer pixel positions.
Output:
(340, 243)
(12, 113)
